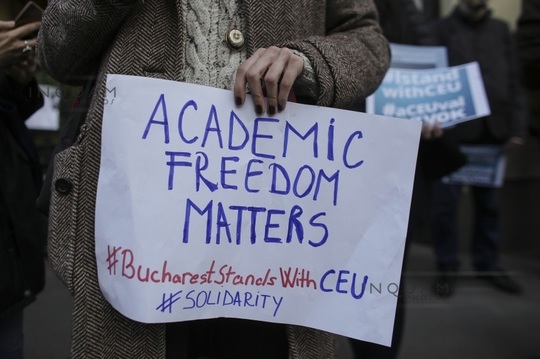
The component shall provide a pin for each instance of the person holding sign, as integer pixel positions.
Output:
(471, 34)
(326, 53)
(403, 23)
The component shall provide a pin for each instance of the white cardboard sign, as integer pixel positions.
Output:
(205, 210)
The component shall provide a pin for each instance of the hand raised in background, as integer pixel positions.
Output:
(431, 130)
(14, 49)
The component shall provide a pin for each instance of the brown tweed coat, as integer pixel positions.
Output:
(343, 42)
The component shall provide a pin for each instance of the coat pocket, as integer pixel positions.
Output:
(62, 235)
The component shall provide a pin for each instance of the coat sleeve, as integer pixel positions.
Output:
(528, 42)
(351, 60)
(75, 33)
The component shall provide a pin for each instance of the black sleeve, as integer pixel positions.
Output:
(403, 23)
(27, 99)
(528, 43)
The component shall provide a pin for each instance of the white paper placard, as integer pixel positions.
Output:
(205, 210)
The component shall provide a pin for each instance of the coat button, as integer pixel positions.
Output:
(235, 39)
(63, 186)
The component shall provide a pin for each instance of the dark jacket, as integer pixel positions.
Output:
(528, 42)
(528, 48)
(22, 228)
(403, 23)
(489, 42)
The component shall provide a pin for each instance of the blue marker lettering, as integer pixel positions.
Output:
(222, 223)
(310, 181)
(357, 134)
(207, 210)
(314, 130)
(224, 172)
(193, 104)
(295, 223)
(165, 122)
(232, 120)
(334, 178)
(314, 223)
(212, 119)
(172, 163)
(269, 225)
(257, 135)
(201, 166)
(279, 169)
(252, 173)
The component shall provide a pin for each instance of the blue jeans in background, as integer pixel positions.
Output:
(485, 236)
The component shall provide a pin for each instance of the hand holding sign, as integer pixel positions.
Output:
(273, 70)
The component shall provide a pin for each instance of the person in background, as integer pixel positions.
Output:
(327, 53)
(471, 34)
(403, 23)
(22, 227)
(528, 50)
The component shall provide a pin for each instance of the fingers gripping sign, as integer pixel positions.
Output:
(272, 70)
(431, 130)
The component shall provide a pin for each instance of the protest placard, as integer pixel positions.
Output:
(485, 167)
(206, 210)
(449, 95)
(418, 57)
